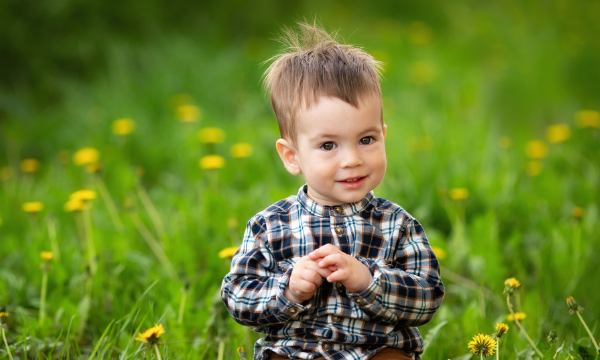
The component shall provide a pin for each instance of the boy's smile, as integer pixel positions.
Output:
(339, 150)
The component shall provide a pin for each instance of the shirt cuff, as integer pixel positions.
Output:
(368, 295)
(288, 309)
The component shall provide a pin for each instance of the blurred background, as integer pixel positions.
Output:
(493, 145)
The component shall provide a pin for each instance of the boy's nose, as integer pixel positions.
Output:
(351, 158)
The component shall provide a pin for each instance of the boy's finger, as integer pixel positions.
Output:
(323, 251)
(331, 261)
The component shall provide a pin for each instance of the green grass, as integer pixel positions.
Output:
(453, 88)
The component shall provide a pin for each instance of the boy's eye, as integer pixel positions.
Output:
(366, 140)
(328, 146)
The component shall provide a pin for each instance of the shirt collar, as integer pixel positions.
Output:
(326, 210)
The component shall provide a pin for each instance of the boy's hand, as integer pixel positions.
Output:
(306, 277)
(344, 268)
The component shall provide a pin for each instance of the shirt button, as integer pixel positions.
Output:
(326, 346)
(338, 209)
(293, 311)
(339, 286)
(339, 230)
(360, 301)
(336, 318)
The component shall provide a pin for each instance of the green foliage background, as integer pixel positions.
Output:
(460, 78)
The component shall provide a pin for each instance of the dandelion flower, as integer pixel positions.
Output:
(536, 149)
(86, 156)
(123, 126)
(74, 205)
(588, 119)
(533, 168)
(558, 133)
(211, 135)
(83, 195)
(439, 252)
(578, 212)
(227, 252)
(482, 345)
(512, 282)
(501, 329)
(209, 162)
(573, 306)
(188, 113)
(459, 194)
(33, 207)
(241, 150)
(47, 256)
(518, 315)
(151, 335)
(30, 165)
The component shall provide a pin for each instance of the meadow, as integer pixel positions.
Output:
(123, 190)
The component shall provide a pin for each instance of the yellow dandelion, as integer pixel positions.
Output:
(520, 316)
(46, 256)
(211, 135)
(459, 194)
(151, 335)
(482, 345)
(188, 113)
(578, 212)
(512, 282)
(422, 72)
(501, 329)
(209, 162)
(3, 315)
(5, 173)
(74, 205)
(588, 119)
(536, 149)
(505, 142)
(533, 168)
(123, 126)
(558, 133)
(227, 252)
(86, 156)
(93, 168)
(241, 150)
(439, 252)
(419, 33)
(83, 195)
(33, 207)
(30, 165)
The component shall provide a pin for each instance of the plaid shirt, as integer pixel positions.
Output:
(406, 290)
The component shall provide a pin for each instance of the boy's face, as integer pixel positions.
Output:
(340, 150)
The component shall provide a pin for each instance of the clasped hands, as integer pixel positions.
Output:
(330, 263)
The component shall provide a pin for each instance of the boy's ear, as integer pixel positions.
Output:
(287, 153)
(384, 130)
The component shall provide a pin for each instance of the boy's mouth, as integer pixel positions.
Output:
(352, 183)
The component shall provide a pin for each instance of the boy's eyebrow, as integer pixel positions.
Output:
(334, 135)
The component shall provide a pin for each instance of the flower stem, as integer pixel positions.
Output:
(498, 349)
(156, 351)
(87, 222)
(522, 329)
(43, 295)
(589, 332)
(6, 343)
(110, 205)
(154, 246)
(481, 355)
(182, 306)
(154, 216)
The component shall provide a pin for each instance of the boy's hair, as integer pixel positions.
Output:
(315, 64)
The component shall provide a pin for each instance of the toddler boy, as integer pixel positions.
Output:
(333, 272)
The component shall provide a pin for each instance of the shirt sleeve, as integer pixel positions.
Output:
(409, 291)
(253, 289)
